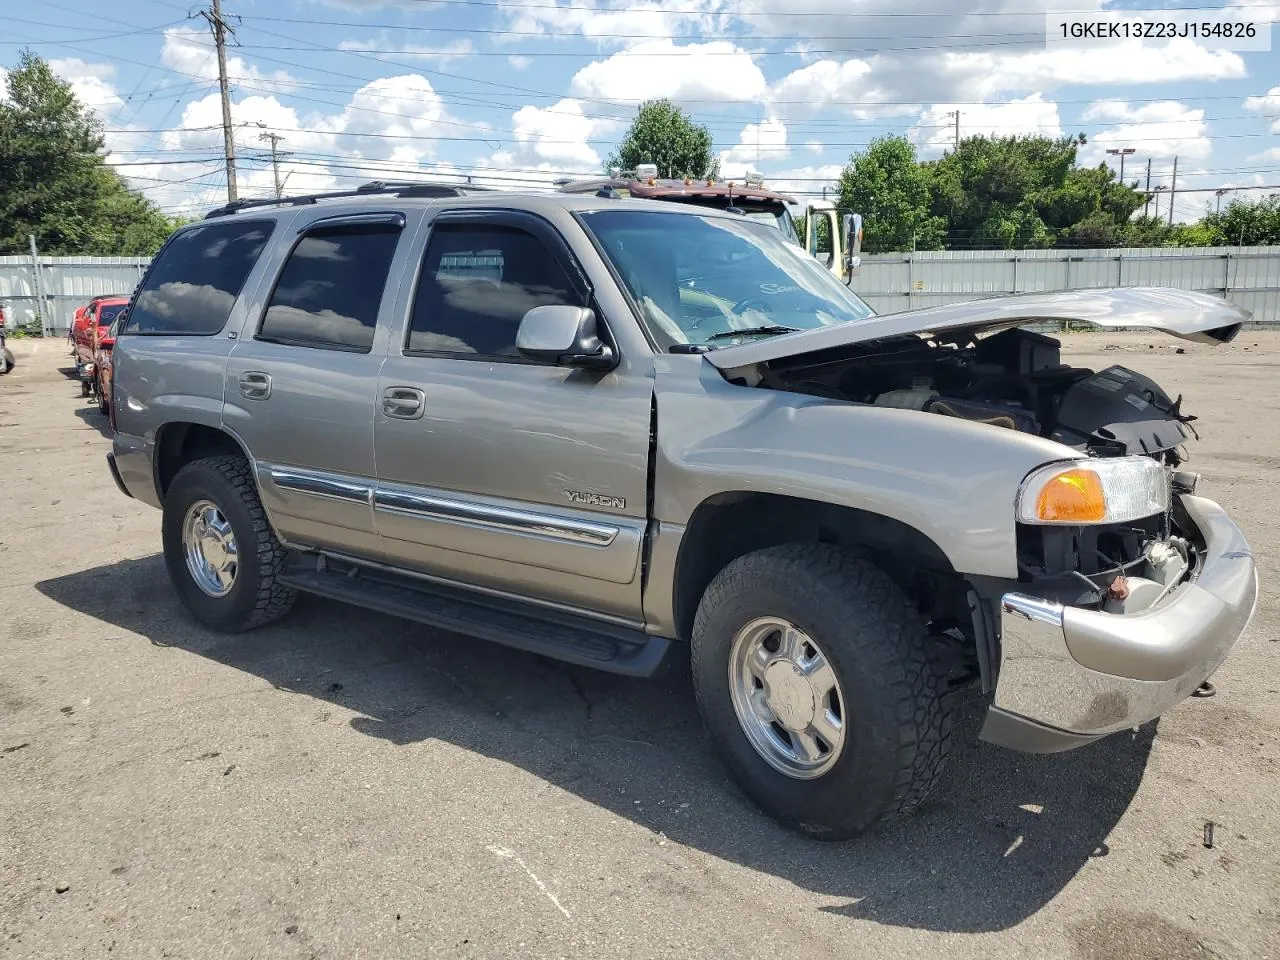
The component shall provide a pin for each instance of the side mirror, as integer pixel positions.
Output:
(564, 336)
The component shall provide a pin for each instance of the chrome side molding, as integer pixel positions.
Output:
(318, 485)
(428, 507)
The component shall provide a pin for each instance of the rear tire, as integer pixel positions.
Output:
(104, 405)
(254, 596)
(889, 678)
(6, 361)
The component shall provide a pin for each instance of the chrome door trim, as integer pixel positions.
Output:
(484, 591)
(472, 514)
(316, 485)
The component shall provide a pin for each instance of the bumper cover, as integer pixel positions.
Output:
(1069, 676)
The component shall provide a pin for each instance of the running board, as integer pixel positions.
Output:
(534, 629)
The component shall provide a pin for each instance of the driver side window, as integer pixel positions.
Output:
(477, 282)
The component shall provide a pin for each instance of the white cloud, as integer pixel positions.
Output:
(716, 70)
(1165, 128)
(851, 86)
(804, 183)
(434, 53)
(758, 143)
(190, 50)
(814, 146)
(1265, 155)
(983, 75)
(4, 85)
(1267, 105)
(559, 134)
(90, 82)
(519, 62)
(935, 131)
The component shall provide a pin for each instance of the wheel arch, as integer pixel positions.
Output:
(180, 442)
(728, 525)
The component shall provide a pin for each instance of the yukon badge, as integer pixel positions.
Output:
(595, 499)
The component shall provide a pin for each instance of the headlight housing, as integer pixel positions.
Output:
(1111, 490)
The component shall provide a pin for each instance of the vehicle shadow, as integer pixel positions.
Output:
(1003, 835)
(95, 418)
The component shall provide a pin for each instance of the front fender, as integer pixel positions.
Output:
(954, 481)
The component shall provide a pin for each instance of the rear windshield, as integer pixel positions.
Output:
(107, 314)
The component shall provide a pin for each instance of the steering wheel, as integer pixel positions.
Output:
(740, 308)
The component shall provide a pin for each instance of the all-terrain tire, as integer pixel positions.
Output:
(257, 596)
(893, 681)
(6, 361)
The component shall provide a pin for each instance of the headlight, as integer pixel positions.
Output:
(1094, 491)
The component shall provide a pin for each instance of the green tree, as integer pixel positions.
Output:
(1247, 222)
(1017, 192)
(664, 134)
(54, 180)
(891, 191)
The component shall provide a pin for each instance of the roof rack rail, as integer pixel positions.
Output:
(399, 188)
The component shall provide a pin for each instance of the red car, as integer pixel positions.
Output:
(102, 368)
(87, 331)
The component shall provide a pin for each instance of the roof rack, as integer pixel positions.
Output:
(398, 188)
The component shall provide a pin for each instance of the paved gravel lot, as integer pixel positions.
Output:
(348, 785)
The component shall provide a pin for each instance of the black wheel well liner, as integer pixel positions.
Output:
(180, 442)
(729, 525)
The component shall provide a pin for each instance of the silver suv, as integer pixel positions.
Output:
(599, 429)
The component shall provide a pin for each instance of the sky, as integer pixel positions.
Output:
(515, 94)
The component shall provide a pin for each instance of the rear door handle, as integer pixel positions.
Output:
(403, 403)
(255, 385)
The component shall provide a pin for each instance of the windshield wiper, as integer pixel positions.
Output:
(765, 329)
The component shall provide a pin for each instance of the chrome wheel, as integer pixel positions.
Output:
(210, 547)
(787, 698)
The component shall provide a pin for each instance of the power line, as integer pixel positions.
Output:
(587, 8)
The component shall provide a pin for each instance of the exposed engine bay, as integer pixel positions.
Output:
(1014, 379)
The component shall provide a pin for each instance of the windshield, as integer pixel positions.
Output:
(778, 218)
(719, 280)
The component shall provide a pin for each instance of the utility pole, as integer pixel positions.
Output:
(956, 114)
(1173, 188)
(1148, 190)
(1218, 194)
(274, 139)
(220, 29)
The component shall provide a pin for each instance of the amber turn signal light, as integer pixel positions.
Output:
(1073, 496)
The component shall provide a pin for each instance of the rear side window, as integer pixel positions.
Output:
(194, 281)
(477, 282)
(107, 314)
(331, 287)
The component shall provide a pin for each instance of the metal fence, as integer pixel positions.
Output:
(1248, 276)
(889, 282)
(49, 289)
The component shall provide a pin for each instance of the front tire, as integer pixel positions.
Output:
(104, 406)
(818, 682)
(223, 558)
(6, 361)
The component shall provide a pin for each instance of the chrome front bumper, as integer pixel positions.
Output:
(1068, 676)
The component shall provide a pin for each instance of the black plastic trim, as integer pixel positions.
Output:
(115, 475)
(1018, 733)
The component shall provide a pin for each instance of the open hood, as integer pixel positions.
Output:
(1187, 314)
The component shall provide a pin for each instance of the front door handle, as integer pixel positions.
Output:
(255, 385)
(403, 403)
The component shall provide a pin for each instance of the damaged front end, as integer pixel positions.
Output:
(1130, 590)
